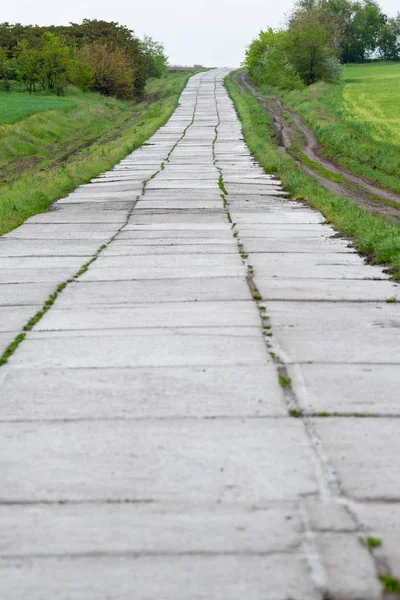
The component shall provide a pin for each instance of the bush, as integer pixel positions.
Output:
(111, 68)
(267, 61)
(332, 70)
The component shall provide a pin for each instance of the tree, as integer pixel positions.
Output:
(55, 64)
(337, 16)
(5, 69)
(82, 75)
(157, 59)
(267, 61)
(308, 44)
(28, 63)
(146, 57)
(114, 35)
(111, 68)
(364, 31)
(389, 39)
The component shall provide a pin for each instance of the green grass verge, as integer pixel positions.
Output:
(46, 155)
(374, 236)
(357, 120)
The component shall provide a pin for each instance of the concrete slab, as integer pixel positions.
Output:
(13, 318)
(154, 238)
(311, 266)
(347, 388)
(29, 248)
(372, 316)
(43, 262)
(181, 226)
(140, 458)
(361, 451)
(62, 231)
(175, 349)
(327, 290)
(175, 314)
(121, 249)
(23, 276)
(194, 289)
(136, 393)
(382, 521)
(282, 246)
(344, 333)
(25, 294)
(169, 261)
(340, 553)
(169, 577)
(298, 216)
(148, 528)
(151, 273)
(167, 204)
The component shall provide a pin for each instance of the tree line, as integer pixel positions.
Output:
(322, 35)
(103, 56)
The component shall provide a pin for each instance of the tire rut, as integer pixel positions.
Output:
(369, 197)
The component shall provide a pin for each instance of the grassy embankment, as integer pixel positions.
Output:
(357, 121)
(49, 145)
(374, 236)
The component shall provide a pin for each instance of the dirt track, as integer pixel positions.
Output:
(374, 199)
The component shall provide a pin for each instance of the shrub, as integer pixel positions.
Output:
(111, 68)
(332, 69)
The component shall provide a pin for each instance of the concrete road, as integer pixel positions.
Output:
(210, 408)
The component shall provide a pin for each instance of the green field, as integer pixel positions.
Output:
(16, 106)
(374, 236)
(357, 120)
(49, 145)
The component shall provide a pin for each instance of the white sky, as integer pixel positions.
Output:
(208, 32)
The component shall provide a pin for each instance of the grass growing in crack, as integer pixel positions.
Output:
(11, 348)
(9, 351)
(391, 300)
(284, 381)
(374, 236)
(391, 584)
(371, 542)
(297, 414)
(221, 185)
(257, 296)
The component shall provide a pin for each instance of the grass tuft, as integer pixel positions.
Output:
(392, 584)
(371, 542)
(297, 414)
(284, 381)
